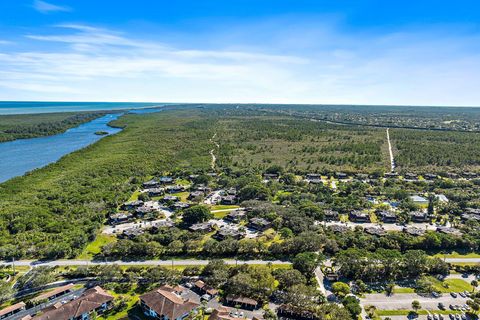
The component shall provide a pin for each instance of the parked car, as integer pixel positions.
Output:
(462, 294)
(435, 294)
(451, 316)
(441, 306)
(453, 294)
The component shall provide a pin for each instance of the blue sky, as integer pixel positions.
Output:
(265, 51)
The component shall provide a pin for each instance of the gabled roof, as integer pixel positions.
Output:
(224, 313)
(11, 308)
(90, 300)
(53, 292)
(166, 303)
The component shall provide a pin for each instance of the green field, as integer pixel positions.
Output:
(435, 151)
(300, 145)
(95, 247)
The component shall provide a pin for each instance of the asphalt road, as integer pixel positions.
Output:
(189, 262)
(33, 263)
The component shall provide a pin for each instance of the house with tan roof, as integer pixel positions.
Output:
(167, 304)
(11, 310)
(225, 313)
(94, 299)
(52, 294)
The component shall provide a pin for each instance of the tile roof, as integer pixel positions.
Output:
(90, 300)
(165, 302)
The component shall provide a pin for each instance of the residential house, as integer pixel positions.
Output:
(174, 189)
(225, 313)
(314, 178)
(229, 200)
(151, 184)
(196, 195)
(391, 175)
(414, 231)
(287, 311)
(469, 175)
(359, 216)
(162, 224)
(131, 233)
(469, 216)
(236, 216)
(52, 294)
(119, 218)
(226, 232)
(245, 303)
(450, 231)
(166, 304)
(166, 179)
(331, 215)
(441, 198)
(92, 300)
(339, 228)
(169, 198)
(418, 216)
(131, 205)
(387, 216)
(202, 288)
(231, 191)
(259, 224)
(156, 192)
(474, 211)
(419, 200)
(201, 227)
(375, 231)
(341, 175)
(410, 176)
(12, 310)
(179, 205)
(271, 176)
(430, 176)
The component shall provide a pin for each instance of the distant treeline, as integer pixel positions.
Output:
(36, 125)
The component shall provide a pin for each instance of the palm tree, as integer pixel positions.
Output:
(474, 284)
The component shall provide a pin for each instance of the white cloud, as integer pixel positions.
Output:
(46, 7)
(89, 63)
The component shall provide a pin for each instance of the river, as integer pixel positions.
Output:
(20, 156)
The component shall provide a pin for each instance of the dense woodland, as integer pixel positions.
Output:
(57, 210)
(43, 124)
(436, 151)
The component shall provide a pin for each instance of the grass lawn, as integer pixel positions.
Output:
(181, 195)
(403, 290)
(134, 196)
(131, 300)
(452, 285)
(457, 255)
(405, 312)
(224, 207)
(94, 247)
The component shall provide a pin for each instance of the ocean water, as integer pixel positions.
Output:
(22, 107)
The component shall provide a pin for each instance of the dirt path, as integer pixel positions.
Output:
(392, 160)
(212, 152)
